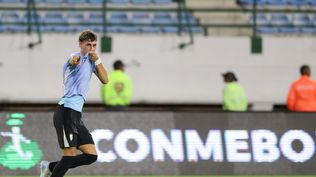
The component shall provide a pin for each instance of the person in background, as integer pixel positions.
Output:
(234, 97)
(302, 93)
(118, 92)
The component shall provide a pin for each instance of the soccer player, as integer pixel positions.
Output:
(71, 132)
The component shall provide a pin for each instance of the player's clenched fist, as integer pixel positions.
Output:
(93, 56)
(75, 60)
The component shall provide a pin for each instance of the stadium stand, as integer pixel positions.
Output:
(165, 21)
(119, 21)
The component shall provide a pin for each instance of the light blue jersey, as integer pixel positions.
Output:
(76, 82)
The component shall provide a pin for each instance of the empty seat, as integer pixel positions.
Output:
(95, 17)
(73, 20)
(96, 2)
(163, 18)
(301, 23)
(16, 23)
(293, 2)
(309, 2)
(33, 18)
(54, 17)
(272, 2)
(118, 17)
(263, 23)
(170, 29)
(3, 28)
(261, 20)
(162, 2)
(11, 1)
(127, 29)
(279, 19)
(300, 20)
(54, 1)
(10, 17)
(183, 17)
(55, 21)
(194, 29)
(150, 29)
(140, 17)
(282, 23)
(141, 2)
(76, 2)
(120, 2)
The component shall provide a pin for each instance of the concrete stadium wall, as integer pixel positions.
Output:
(161, 72)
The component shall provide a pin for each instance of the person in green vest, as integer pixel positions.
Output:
(118, 92)
(234, 97)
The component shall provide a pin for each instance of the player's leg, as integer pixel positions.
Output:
(67, 139)
(88, 156)
(66, 162)
(86, 146)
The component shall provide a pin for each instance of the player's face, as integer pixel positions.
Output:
(88, 46)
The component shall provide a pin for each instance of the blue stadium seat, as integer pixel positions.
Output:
(150, 29)
(119, 2)
(293, 2)
(309, 2)
(10, 17)
(280, 19)
(247, 2)
(75, 2)
(11, 1)
(194, 29)
(300, 20)
(141, 2)
(74, 18)
(54, 1)
(162, 2)
(54, 17)
(261, 19)
(118, 17)
(127, 29)
(263, 23)
(32, 15)
(95, 17)
(272, 2)
(3, 28)
(183, 18)
(96, 2)
(170, 29)
(51, 18)
(163, 18)
(140, 17)
(312, 24)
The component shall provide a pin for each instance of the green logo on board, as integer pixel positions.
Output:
(19, 152)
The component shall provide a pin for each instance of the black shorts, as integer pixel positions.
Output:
(71, 131)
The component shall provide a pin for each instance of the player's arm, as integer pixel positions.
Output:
(74, 60)
(100, 70)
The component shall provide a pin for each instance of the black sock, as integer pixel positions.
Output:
(82, 159)
(52, 165)
(62, 166)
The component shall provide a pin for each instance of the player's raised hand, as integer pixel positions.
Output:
(93, 56)
(75, 60)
